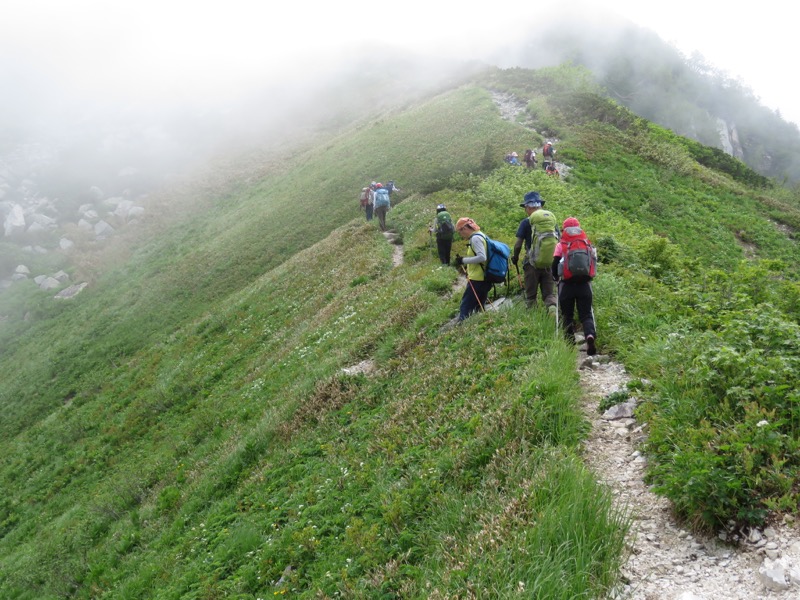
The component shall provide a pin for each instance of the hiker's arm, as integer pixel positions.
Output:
(554, 266)
(479, 248)
(557, 255)
(517, 249)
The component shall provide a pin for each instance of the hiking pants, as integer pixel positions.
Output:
(536, 278)
(368, 209)
(571, 295)
(380, 212)
(471, 304)
(443, 246)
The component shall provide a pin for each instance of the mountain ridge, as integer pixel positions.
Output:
(190, 434)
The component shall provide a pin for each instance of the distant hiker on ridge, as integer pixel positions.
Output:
(443, 228)
(529, 158)
(382, 204)
(539, 234)
(477, 290)
(549, 154)
(366, 202)
(575, 264)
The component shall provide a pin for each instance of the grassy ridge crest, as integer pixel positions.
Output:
(185, 429)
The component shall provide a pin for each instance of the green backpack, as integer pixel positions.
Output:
(544, 239)
(444, 226)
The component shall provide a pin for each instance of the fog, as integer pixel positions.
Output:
(178, 79)
(93, 88)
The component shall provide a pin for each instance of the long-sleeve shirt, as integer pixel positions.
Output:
(478, 245)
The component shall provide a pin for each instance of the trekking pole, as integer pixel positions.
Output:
(519, 277)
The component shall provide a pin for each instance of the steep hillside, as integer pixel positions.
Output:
(184, 429)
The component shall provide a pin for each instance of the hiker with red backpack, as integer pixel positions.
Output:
(366, 202)
(574, 266)
(549, 154)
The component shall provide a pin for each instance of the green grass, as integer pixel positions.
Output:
(183, 428)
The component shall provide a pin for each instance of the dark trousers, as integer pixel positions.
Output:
(469, 302)
(368, 209)
(380, 212)
(535, 279)
(570, 296)
(443, 246)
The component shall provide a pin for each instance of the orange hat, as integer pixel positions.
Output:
(467, 222)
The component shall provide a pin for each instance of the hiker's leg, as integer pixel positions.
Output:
(381, 212)
(448, 245)
(566, 304)
(548, 287)
(483, 288)
(584, 301)
(369, 212)
(530, 284)
(469, 303)
(440, 250)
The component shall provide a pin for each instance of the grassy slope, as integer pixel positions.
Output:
(195, 436)
(196, 439)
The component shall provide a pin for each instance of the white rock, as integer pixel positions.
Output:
(772, 575)
(103, 229)
(49, 283)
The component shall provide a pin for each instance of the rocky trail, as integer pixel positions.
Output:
(666, 561)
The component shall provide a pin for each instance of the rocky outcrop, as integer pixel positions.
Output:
(729, 139)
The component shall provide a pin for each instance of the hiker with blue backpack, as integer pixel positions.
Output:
(539, 233)
(382, 204)
(486, 264)
(574, 266)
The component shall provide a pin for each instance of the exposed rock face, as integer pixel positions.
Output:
(729, 139)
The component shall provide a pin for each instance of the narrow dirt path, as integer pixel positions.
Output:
(397, 252)
(666, 562)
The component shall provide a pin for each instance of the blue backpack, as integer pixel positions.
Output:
(496, 268)
(381, 197)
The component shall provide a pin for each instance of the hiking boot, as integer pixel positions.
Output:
(591, 349)
(552, 310)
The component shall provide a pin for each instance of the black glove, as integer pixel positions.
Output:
(459, 261)
(514, 260)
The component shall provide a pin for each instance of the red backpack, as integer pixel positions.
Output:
(578, 261)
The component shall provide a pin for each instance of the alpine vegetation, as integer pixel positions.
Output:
(190, 425)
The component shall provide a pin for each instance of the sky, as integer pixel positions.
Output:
(136, 52)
